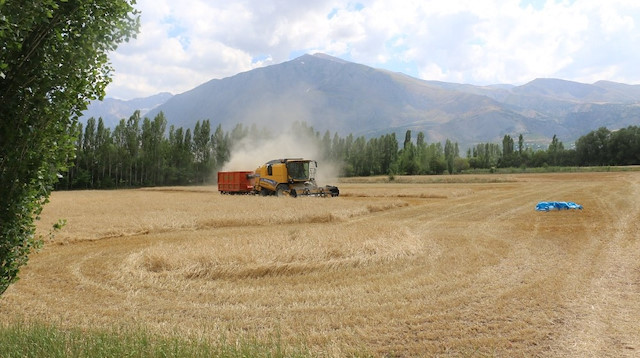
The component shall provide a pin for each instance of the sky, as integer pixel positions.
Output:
(184, 43)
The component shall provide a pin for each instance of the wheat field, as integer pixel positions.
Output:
(463, 267)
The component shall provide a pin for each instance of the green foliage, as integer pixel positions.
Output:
(485, 155)
(202, 148)
(624, 146)
(507, 145)
(408, 156)
(40, 340)
(138, 153)
(54, 60)
(450, 154)
(460, 165)
(597, 148)
(603, 147)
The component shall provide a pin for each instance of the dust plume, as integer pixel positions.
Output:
(286, 135)
(295, 142)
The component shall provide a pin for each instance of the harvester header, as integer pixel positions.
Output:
(280, 177)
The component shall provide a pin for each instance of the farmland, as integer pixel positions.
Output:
(459, 267)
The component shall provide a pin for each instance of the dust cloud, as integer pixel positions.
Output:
(250, 153)
(285, 134)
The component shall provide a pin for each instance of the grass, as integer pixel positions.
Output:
(44, 340)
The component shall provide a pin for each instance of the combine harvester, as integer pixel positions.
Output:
(279, 177)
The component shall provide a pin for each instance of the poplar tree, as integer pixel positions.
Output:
(53, 62)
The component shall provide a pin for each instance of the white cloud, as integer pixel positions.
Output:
(183, 44)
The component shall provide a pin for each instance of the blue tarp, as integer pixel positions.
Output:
(557, 205)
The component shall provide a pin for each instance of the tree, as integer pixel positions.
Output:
(133, 143)
(220, 143)
(555, 151)
(407, 139)
(54, 61)
(448, 155)
(507, 145)
(202, 148)
(337, 148)
(510, 158)
(389, 153)
(520, 144)
(408, 160)
(357, 157)
(89, 150)
(120, 144)
(176, 157)
(104, 155)
(624, 146)
(153, 143)
(460, 164)
(421, 149)
(592, 148)
(325, 146)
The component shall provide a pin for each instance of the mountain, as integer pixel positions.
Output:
(345, 97)
(112, 110)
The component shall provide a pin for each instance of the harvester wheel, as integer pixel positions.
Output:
(281, 189)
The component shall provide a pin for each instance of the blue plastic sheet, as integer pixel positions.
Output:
(557, 205)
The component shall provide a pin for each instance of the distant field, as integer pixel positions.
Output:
(458, 266)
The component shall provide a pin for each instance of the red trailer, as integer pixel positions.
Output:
(239, 182)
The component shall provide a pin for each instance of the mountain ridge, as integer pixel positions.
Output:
(346, 97)
(111, 110)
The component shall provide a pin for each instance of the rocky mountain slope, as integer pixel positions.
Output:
(345, 97)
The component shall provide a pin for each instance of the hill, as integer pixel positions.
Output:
(112, 110)
(345, 97)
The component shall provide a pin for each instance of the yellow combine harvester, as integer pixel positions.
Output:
(280, 177)
(293, 177)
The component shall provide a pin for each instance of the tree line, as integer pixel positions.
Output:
(141, 152)
(601, 147)
(137, 152)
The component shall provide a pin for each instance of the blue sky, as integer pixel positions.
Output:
(185, 43)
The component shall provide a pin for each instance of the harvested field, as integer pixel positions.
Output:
(461, 267)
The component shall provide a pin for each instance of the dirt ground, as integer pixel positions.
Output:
(465, 267)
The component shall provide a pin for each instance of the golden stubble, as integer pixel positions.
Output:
(464, 266)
